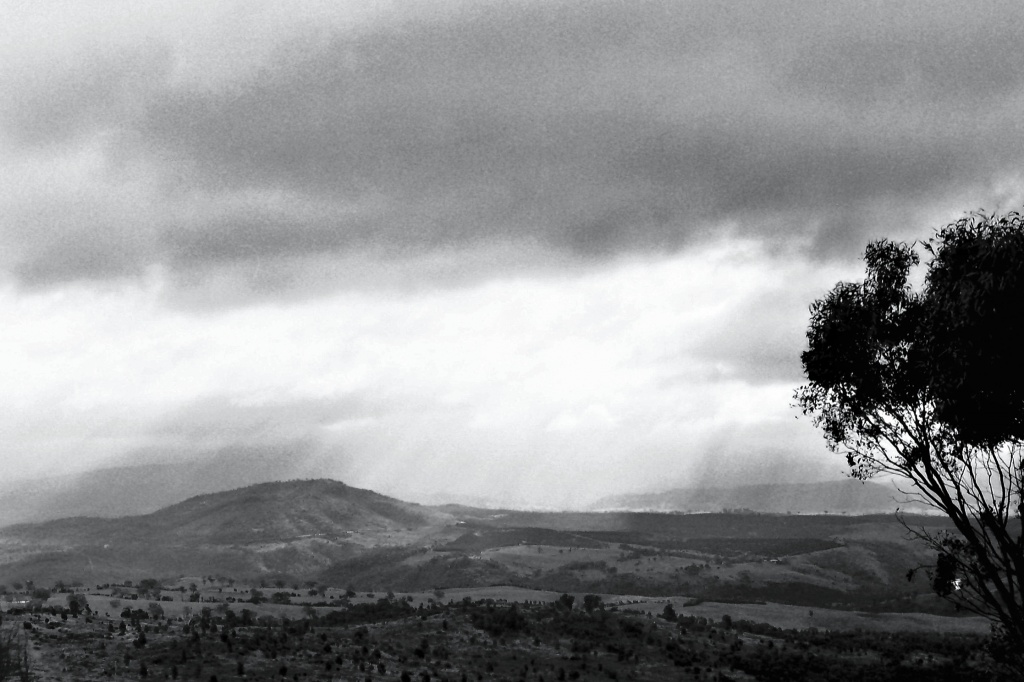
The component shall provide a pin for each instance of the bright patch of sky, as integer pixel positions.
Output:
(531, 252)
(511, 379)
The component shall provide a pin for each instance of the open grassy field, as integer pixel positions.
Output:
(109, 603)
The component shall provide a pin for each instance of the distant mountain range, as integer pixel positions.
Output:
(290, 541)
(328, 532)
(293, 527)
(142, 489)
(829, 497)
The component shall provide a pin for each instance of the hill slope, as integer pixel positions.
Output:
(274, 512)
(329, 532)
(290, 527)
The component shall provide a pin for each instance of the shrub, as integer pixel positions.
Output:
(14, 661)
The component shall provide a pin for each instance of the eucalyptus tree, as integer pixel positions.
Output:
(922, 379)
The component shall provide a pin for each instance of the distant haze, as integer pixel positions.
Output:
(533, 253)
(130, 491)
(833, 497)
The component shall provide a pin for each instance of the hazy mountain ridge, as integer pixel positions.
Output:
(285, 528)
(264, 512)
(333, 533)
(278, 511)
(135, 489)
(125, 491)
(829, 497)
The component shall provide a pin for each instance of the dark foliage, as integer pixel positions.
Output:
(491, 639)
(928, 385)
(14, 657)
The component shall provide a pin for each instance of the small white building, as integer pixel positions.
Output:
(15, 603)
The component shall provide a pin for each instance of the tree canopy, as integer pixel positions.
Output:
(926, 383)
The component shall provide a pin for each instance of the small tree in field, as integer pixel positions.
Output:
(927, 384)
(14, 656)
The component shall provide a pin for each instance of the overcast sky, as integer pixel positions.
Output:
(535, 252)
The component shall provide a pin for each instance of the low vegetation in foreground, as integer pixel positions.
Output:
(436, 637)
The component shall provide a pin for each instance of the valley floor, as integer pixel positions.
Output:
(499, 633)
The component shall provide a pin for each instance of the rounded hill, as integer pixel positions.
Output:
(288, 510)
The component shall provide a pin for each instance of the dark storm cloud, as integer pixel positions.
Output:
(253, 234)
(587, 128)
(944, 65)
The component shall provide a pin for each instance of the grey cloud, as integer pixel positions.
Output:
(936, 64)
(254, 235)
(760, 341)
(75, 259)
(63, 240)
(594, 128)
(218, 421)
(61, 103)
